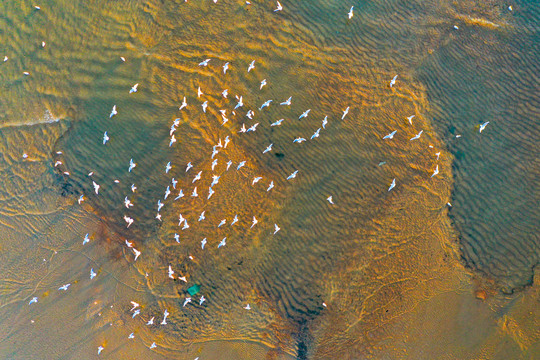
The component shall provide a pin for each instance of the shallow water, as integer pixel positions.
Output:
(376, 275)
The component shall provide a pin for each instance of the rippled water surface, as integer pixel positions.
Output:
(439, 267)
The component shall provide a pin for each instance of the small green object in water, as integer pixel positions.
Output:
(194, 289)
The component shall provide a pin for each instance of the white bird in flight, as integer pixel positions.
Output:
(173, 140)
(64, 287)
(168, 167)
(113, 112)
(242, 163)
(199, 92)
(128, 220)
(277, 122)
(304, 114)
(184, 104)
(225, 67)
(136, 252)
(299, 140)
(224, 93)
(263, 83)
(251, 66)
(197, 177)
(254, 222)
(330, 200)
(324, 122)
(134, 88)
(436, 171)
(287, 102)
(410, 119)
(268, 148)
(204, 62)
(240, 103)
(222, 222)
(127, 202)
(351, 14)
(131, 165)
(417, 136)
(256, 180)
(483, 126)
(189, 166)
(391, 135)
(165, 314)
(171, 272)
(223, 242)
(345, 112)
(270, 186)
(316, 134)
(96, 187)
(105, 138)
(92, 274)
(266, 104)
(276, 228)
(235, 220)
(203, 243)
(279, 7)
(293, 175)
(392, 185)
(86, 239)
(202, 217)
(393, 81)
(33, 300)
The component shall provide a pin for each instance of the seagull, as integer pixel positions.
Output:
(287, 102)
(151, 321)
(131, 165)
(243, 128)
(113, 112)
(483, 126)
(222, 222)
(417, 136)
(235, 220)
(392, 185)
(181, 219)
(330, 200)
(391, 135)
(393, 81)
(173, 140)
(438, 154)
(5, 58)
(225, 67)
(180, 195)
(224, 93)
(299, 140)
(210, 192)
(134, 88)
(351, 14)
(293, 175)
(194, 193)
(324, 122)
(263, 83)
(96, 187)
(315, 134)
(279, 7)
(135, 313)
(137, 253)
(277, 122)
(186, 225)
(410, 119)
(135, 305)
(229, 163)
(129, 243)
(183, 278)
(127, 202)
(204, 63)
(345, 112)
(197, 177)
(100, 349)
(251, 66)
(240, 103)
(64, 287)
(167, 193)
(268, 148)
(215, 180)
(227, 140)
(174, 182)
(184, 104)
(202, 217)
(177, 238)
(436, 171)
(128, 220)
(189, 166)
(256, 180)
(187, 301)
(247, 307)
(81, 199)
(242, 163)
(223, 242)
(199, 92)
(86, 239)
(165, 314)
(105, 138)
(168, 167)
(204, 106)
(131, 336)
(201, 300)
(253, 127)
(33, 300)
(92, 274)
(171, 272)
(159, 205)
(270, 186)
(158, 216)
(304, 114)
(214, 164)
(266, 104)
(276, 228)
(153, 345)
(203, 242)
